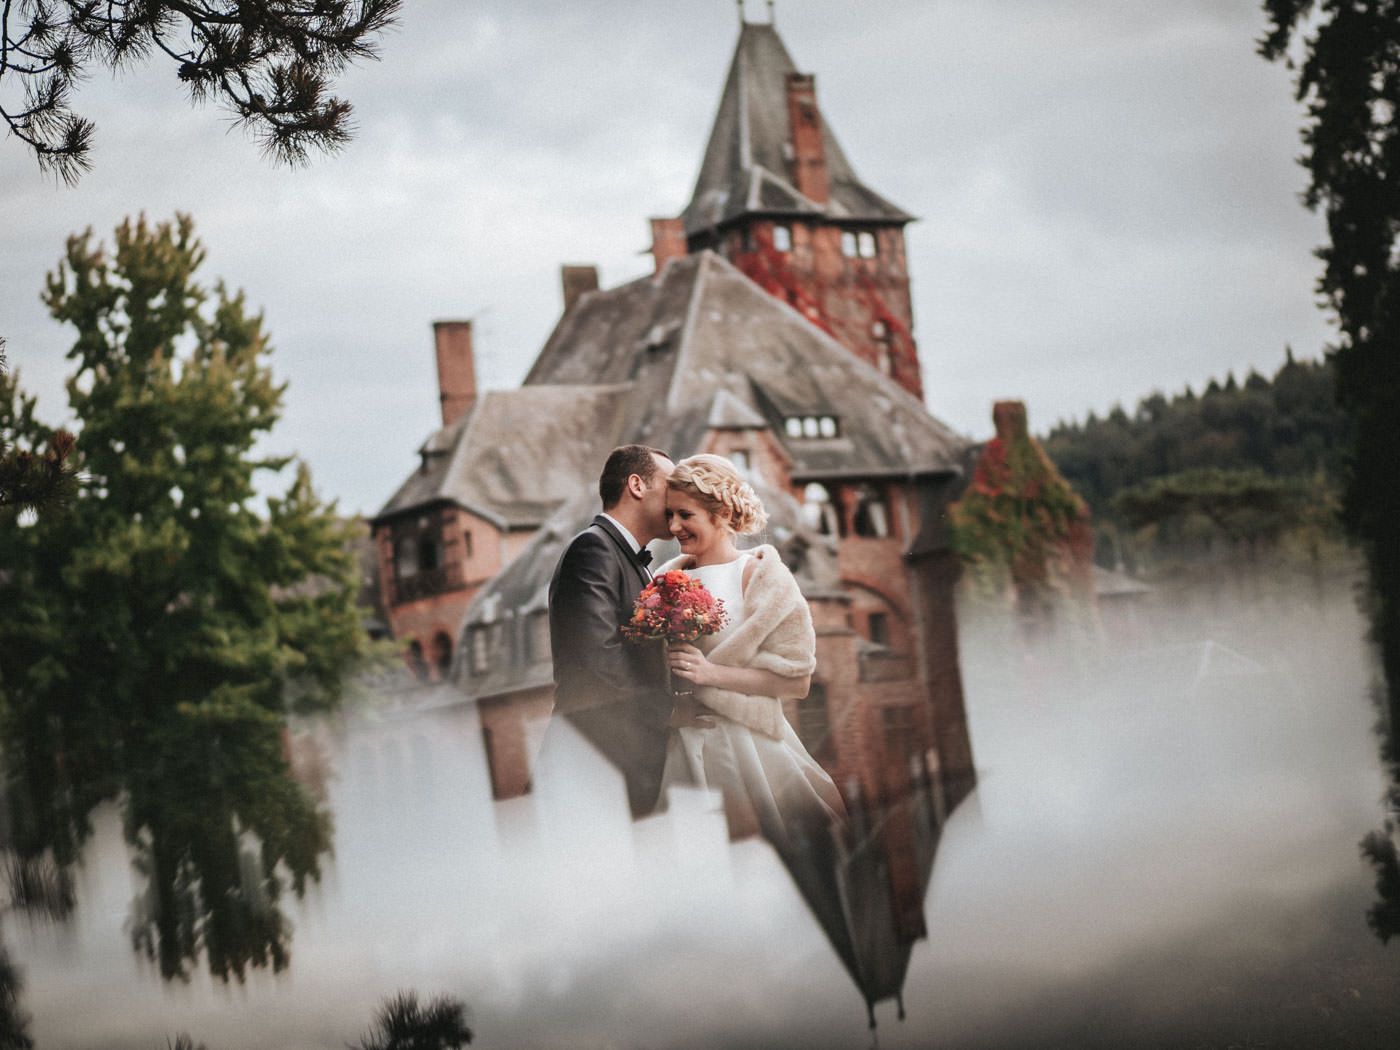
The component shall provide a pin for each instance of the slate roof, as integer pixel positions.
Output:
(702, 338)
(696, 347)
(517, 454)
(745, 166)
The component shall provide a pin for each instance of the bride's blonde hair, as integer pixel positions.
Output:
(718, 487)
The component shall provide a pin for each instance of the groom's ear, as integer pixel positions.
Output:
(636, 486)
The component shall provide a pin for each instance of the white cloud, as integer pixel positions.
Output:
(1107, 190)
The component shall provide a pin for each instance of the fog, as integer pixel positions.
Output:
(1161, 850)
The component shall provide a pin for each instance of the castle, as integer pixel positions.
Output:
(777, 330)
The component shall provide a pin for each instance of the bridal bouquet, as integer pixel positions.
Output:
(675, 607)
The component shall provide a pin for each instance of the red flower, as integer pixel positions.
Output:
(675, 607)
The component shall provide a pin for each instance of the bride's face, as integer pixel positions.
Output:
(694, 527)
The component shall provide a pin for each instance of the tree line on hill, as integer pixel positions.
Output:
(1241, 468)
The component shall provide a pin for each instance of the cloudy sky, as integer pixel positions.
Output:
(1107, 192)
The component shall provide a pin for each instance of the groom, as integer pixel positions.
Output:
(614, 693)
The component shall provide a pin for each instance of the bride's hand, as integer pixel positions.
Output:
(690, 663)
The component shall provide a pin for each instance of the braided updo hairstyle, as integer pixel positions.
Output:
(718, 487)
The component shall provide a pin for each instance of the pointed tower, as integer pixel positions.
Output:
(777, 198)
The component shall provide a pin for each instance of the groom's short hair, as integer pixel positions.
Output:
(622, 463)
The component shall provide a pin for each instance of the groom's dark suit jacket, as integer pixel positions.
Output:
(613, 691)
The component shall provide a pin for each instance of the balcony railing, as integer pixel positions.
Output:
(425, 584)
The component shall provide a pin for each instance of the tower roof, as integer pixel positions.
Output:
(746, 165)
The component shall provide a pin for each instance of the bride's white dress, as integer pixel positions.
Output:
(772, 786)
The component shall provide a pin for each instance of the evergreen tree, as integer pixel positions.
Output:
(38, 475)
(157, 631)
(1349, 83)
(270, 61)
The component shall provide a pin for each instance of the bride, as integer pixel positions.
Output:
(743, 746)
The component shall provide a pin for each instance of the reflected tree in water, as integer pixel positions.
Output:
(403, 1024)
(160, 626)
(14, 1022)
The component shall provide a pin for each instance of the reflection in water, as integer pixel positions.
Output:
(1161, 853)
(403, 1024)
(1379, 846)
(217, 828)
(14, 1022)
(864, 876)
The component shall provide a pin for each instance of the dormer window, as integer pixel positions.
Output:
(858, 244)
(810, 427)
(782, 238)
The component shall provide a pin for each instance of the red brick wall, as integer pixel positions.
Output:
(510, 734)
(844, 295)
(471, 566)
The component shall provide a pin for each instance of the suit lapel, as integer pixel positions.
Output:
(623, 548)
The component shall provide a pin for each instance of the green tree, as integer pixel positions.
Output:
(270, 61)
(1020, 525)
(164, 624)
(1241, 506)
(38, 475)
(1348, 80)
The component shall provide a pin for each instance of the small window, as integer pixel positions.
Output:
(878, 627)
(428, 554)
(899, 727)
(782, 238)
(467, 545)
(480, 637)
(537, 637)
(742, 463)
(872, 517)
(826, 426)
(442, 654)
(405, 557)
(866, 242)
(848, 244)
(793, 426)
(810, 427)
(416, 663)
(884, 361)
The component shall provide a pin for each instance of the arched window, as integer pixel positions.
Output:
(416, 663)
(872, 517)
(818, 511)
(442, 654)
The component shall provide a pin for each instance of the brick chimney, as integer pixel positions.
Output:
(667, 241)
(577, 280)
(456, 368)
(808, 151)
(1009, 417)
